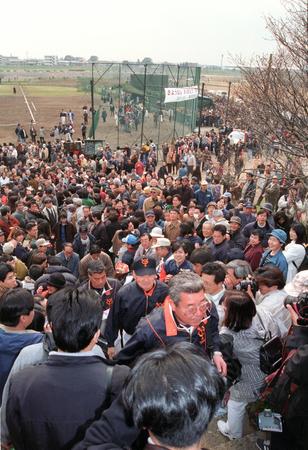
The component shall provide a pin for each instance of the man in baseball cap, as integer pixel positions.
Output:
(133, 301)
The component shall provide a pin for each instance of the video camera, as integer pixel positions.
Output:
(300, 306)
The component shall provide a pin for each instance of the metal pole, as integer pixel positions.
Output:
(119, 105)
(175, 110)
(143, 105)
(160, 110)
(228, 99)
(92, 102)
(200, 111)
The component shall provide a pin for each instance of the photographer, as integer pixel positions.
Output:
(271, 295)
(290, 393)
(238, 271)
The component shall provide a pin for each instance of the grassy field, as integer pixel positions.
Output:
(42, 91)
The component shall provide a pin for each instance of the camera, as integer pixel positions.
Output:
(270, 421)
(300, 306)
(243, 285)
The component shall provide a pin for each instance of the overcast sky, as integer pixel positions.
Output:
(166, 30)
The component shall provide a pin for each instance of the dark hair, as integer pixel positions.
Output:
(201, 256)
(35, 271)
(97, 214)
(13, 304)
(95, 249)
(174, 417)
(54, 261)
(221, 228)
(38, 258)
(270, 276)
(96, 267)
(240, 310)
(4, 270)
(257, 232)
(216, 269)
(75, 317)
(300, 231)
(30, 225)
(261, 211)
(180, 244)
(186, 228)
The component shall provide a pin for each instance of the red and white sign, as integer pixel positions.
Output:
(180, 94)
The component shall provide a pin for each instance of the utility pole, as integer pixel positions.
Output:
(200, 111)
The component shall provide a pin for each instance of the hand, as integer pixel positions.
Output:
(39, 290)
(111, 352)
(220, 364)
(294, 316)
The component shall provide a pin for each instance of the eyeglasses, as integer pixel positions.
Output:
(203, 307)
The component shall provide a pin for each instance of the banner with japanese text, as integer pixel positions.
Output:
(180, 94)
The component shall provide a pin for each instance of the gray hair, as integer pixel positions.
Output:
(187, 282)
(96, 267)
(240, 268)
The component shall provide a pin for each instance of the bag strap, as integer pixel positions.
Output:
(262, 324)
(155, 332)
(109, 373)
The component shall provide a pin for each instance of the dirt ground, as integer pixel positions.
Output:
(46, 108)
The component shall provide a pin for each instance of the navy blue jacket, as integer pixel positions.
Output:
(145, 339)
(130, 304)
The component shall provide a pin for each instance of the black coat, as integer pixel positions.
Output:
(131, 303)
(51, 405)
(145, 339)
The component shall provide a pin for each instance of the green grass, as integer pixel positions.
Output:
(6, 89)
(41, 91)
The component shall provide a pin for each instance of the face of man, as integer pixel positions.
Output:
(95, 256)
(234, 226)
(43, 248)
(150, 220)
(207, 230)
(191, 309)
(161, 252)
(274, 244)
(86, 212)
(33, 232)
(176, 202)
(210, 210)
(210, 286)
(145, 282)
(10, 281)
(98, 280)
(145, 242)
(261, 219)
(218, 238)
(68, 251)
(174, 216)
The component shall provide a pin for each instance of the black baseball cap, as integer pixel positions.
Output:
(145, 266)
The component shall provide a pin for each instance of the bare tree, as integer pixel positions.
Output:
(273, 94)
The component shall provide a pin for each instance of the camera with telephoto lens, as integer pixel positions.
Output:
(300, 306)
(244, 284)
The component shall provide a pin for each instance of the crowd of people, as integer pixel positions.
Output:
(104, 260)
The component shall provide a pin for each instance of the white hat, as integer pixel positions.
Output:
(162, 242)
(157, 233)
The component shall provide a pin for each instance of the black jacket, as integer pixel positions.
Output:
(132, 303)
(70, 279)
(145, 338)
(51, 405)
(237, 240)
(220, 251)
(265, 231)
